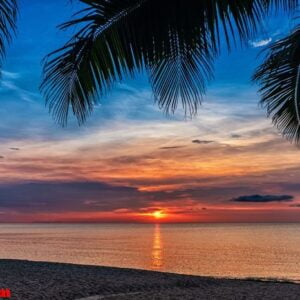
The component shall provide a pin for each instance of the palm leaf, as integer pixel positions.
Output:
(8, 16)
(175, 41)
(279, 78)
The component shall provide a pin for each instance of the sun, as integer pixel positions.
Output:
(158, 214)
(155, 214)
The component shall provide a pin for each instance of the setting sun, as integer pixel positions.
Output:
(158, 214)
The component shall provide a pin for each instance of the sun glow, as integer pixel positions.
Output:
(158, 214)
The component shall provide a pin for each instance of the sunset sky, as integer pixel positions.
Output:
(130, 160)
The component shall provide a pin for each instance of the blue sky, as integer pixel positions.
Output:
(236, 151)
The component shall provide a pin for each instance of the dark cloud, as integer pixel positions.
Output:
(203, 142)
(290, 186)
(236, 136)
(14, 149)
(263, 198)
(48, 196)
(171, 147)
(206, 195)
(68, 196)
(1, 157)
(126, 159)
(295, 205)
(189, 211)
(85, 196)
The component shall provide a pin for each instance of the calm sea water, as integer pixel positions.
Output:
(223, 250)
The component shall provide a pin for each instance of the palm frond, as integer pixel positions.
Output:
(181, 76)
(175, 41)
(8, 16)
(279, 79)
(87, 66)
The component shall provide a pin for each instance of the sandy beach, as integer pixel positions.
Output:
(43, 280)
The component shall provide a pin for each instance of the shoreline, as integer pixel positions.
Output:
(34, 280)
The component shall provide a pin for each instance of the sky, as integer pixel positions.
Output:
(129, 160)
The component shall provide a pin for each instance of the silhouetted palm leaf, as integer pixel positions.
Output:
(8, 15)
(175, 41)
(279, 77)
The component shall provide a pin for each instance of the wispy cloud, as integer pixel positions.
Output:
(171, 147)
(203, 142)
(295, 205)
(260, 43)
(10, 75)
(22, 93)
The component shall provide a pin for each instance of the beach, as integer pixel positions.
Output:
(43, 280)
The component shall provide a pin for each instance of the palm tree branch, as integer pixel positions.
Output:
(8, 16)
(175, 41)
(279, 81)
(88, 65)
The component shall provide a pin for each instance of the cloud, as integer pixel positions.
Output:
(10, 75)
(260, 43)
(14, 149)
(1, 157)
(171, 147)
(54, 196)
(295, 205)
(90, 196)
(263, 198)
(13, 88)
(71, 200)
(235, 136)
(204, 142)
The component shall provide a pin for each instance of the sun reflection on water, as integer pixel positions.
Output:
(157, 249)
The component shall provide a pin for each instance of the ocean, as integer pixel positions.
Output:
(270, 251)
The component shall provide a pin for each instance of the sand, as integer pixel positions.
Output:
(43, 280)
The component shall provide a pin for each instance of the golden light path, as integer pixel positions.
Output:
(157, 249)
